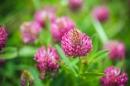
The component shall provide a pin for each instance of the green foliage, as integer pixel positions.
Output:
(9, 53)
(77, 71)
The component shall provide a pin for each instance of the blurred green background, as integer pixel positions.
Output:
(13, 13)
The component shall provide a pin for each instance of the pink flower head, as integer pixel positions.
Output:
(30, 31)
(47, 60)
(114, 77)
(3, 37)
(116, 50)
(101, 13)
(60, 27)
(41, 16)
(75, 4)
(76, 43)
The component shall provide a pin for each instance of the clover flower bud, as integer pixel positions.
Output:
(114, 77)
(30, 31)
(3, 37)
(47, 60)
(41, 16)
(75, 43)
(60, 27)
(101, 13)
(116, 50)
(75, 4)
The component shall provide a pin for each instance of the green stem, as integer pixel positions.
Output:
(92, 74)
(100, 31)
(79, 64)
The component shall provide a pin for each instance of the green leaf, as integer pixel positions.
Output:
(9, 53)
(95, 42)
(100, 31)
(98, 56)
(27, 51)
(66, 60)
(74, 62)
(35, 74)
(92, 74)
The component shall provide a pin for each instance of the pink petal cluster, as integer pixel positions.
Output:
(114, 77)
(47, 60)
(75, 4)
(30, 31)
(3, 37)
(75, 43)
(101, 13)
(60, 27)
(41, 16)
(116, 50)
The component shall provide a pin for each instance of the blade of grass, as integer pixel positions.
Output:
(92, 74)
(66, 60)
(100, 31)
